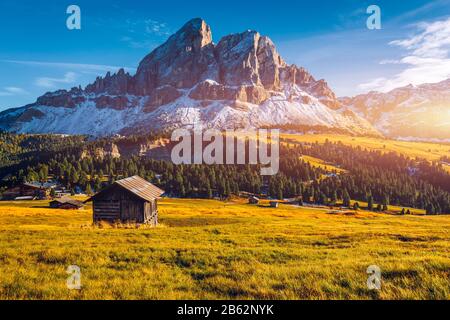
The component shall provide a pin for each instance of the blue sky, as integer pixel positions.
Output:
(330, 38)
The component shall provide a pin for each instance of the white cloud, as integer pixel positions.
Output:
(12, 91)
(143, 44)
(68, 65)
(145, 33)
(45, 82)
(427, 58)
(156, 27)
(375, 83)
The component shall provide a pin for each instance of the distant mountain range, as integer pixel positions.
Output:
(412, 112)
(240, 82)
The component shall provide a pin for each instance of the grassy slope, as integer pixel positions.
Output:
(319, 163)
(430, 151)
(211, 249)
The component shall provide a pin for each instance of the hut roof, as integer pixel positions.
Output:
(40, 185)
(139, 187)
(73, 202)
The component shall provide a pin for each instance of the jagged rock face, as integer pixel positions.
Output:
(116, 103)
(161, 96)
(208, 90)
(30, 114)
(62, 98)
(181, 62)
(295, 75)
(321, 90)
(241, 82)
(120, 83)
(248, 58)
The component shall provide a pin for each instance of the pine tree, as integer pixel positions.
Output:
(333, 197)
(370, 203)
(430, 209)
(98, 184)
(88, 189)
(209, 193)
(280, 194)
(346, 199)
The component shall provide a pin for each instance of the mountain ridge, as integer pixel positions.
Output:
(410, 112)
(240, 82)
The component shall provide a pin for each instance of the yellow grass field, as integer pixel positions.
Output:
(206, 249)
(319, 163)
(447, 168)
(425, 150)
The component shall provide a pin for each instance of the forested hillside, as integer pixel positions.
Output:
(372, 177)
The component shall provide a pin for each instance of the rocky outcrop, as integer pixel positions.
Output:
(62, 98)
(116, 103)
(30, 114)
(249, 58)
(160, 97)
(321, 90)
(181, 62)
(116, 84)
(317, 88)
(208, 90)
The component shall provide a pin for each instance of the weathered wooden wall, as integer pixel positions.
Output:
(151, 212)
(24, 191)
(118, 204)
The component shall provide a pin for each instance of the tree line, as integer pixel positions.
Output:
(376, 178)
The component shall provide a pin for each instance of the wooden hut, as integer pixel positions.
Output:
(35, 190)
(253, 200)
(129, 200)
(66, 203)
(274, 204)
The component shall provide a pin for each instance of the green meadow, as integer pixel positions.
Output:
(206, 249)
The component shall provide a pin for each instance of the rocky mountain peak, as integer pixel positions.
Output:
(196, 32)
(241, 82)
(180, 62)
(249, 58)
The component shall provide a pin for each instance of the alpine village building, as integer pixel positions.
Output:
(131, 200)
(67, 204)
